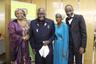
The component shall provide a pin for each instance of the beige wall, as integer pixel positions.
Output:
(2, 17)
(7, 19)
(88, 5)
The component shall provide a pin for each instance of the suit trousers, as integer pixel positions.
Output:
(73, 53)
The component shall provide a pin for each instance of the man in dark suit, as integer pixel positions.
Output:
(77, 35)
(42, 31)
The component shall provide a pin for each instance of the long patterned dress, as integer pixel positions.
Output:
(19, 47)
(61, 44)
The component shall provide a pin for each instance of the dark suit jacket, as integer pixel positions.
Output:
(78, 31)
(40, 32)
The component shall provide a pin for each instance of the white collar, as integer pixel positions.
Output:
(72, 15)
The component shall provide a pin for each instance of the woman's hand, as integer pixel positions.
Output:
(13, 62)
(46, 42)
(81, 50)
(26, 37)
